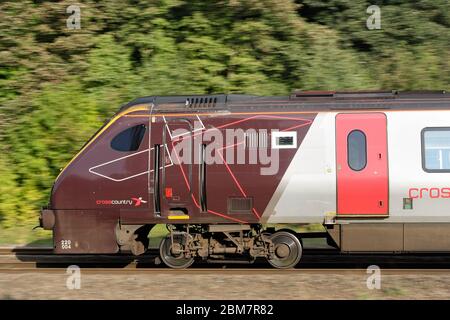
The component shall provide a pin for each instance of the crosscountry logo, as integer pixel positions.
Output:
(136, 201)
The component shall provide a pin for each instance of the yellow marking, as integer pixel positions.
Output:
(216, 114)
(132, 109)
(184, 217)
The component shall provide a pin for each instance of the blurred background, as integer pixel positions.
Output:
(58, 84)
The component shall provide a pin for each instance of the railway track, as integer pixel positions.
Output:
(23, 259)
(234, 271)
(43, 258)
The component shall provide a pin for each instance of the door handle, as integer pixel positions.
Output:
(156, 180)
(202, 178)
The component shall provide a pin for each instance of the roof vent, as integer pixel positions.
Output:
(201, 102)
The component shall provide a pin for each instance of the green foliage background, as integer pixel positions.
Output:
(57, 85)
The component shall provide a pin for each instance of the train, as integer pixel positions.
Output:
(223, 171)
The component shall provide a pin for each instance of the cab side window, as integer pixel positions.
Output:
(129, 139)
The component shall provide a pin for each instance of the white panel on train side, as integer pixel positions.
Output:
(405, 167)
(307, 191)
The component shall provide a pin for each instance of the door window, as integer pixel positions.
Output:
(357, 150)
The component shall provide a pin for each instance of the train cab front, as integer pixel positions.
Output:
(105, 180)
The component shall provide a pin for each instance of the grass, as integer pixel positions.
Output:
(394, 292)
(157, 234)
(24, 234)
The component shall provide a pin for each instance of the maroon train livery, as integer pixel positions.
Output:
(222, 171)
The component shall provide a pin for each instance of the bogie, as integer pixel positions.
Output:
(225, 243)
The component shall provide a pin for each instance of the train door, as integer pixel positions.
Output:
(362, 165)
(176, 181)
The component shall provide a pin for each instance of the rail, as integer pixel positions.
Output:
(38, 258)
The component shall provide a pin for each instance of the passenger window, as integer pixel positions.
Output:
(356, 150)
(436, 149)
(129, 139)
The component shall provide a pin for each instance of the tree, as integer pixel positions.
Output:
(58, 85)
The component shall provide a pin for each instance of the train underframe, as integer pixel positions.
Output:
(227, 243)
(92, 232)
(220, 243)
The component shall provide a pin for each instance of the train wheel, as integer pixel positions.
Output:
(170, 254)
(288, 250)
